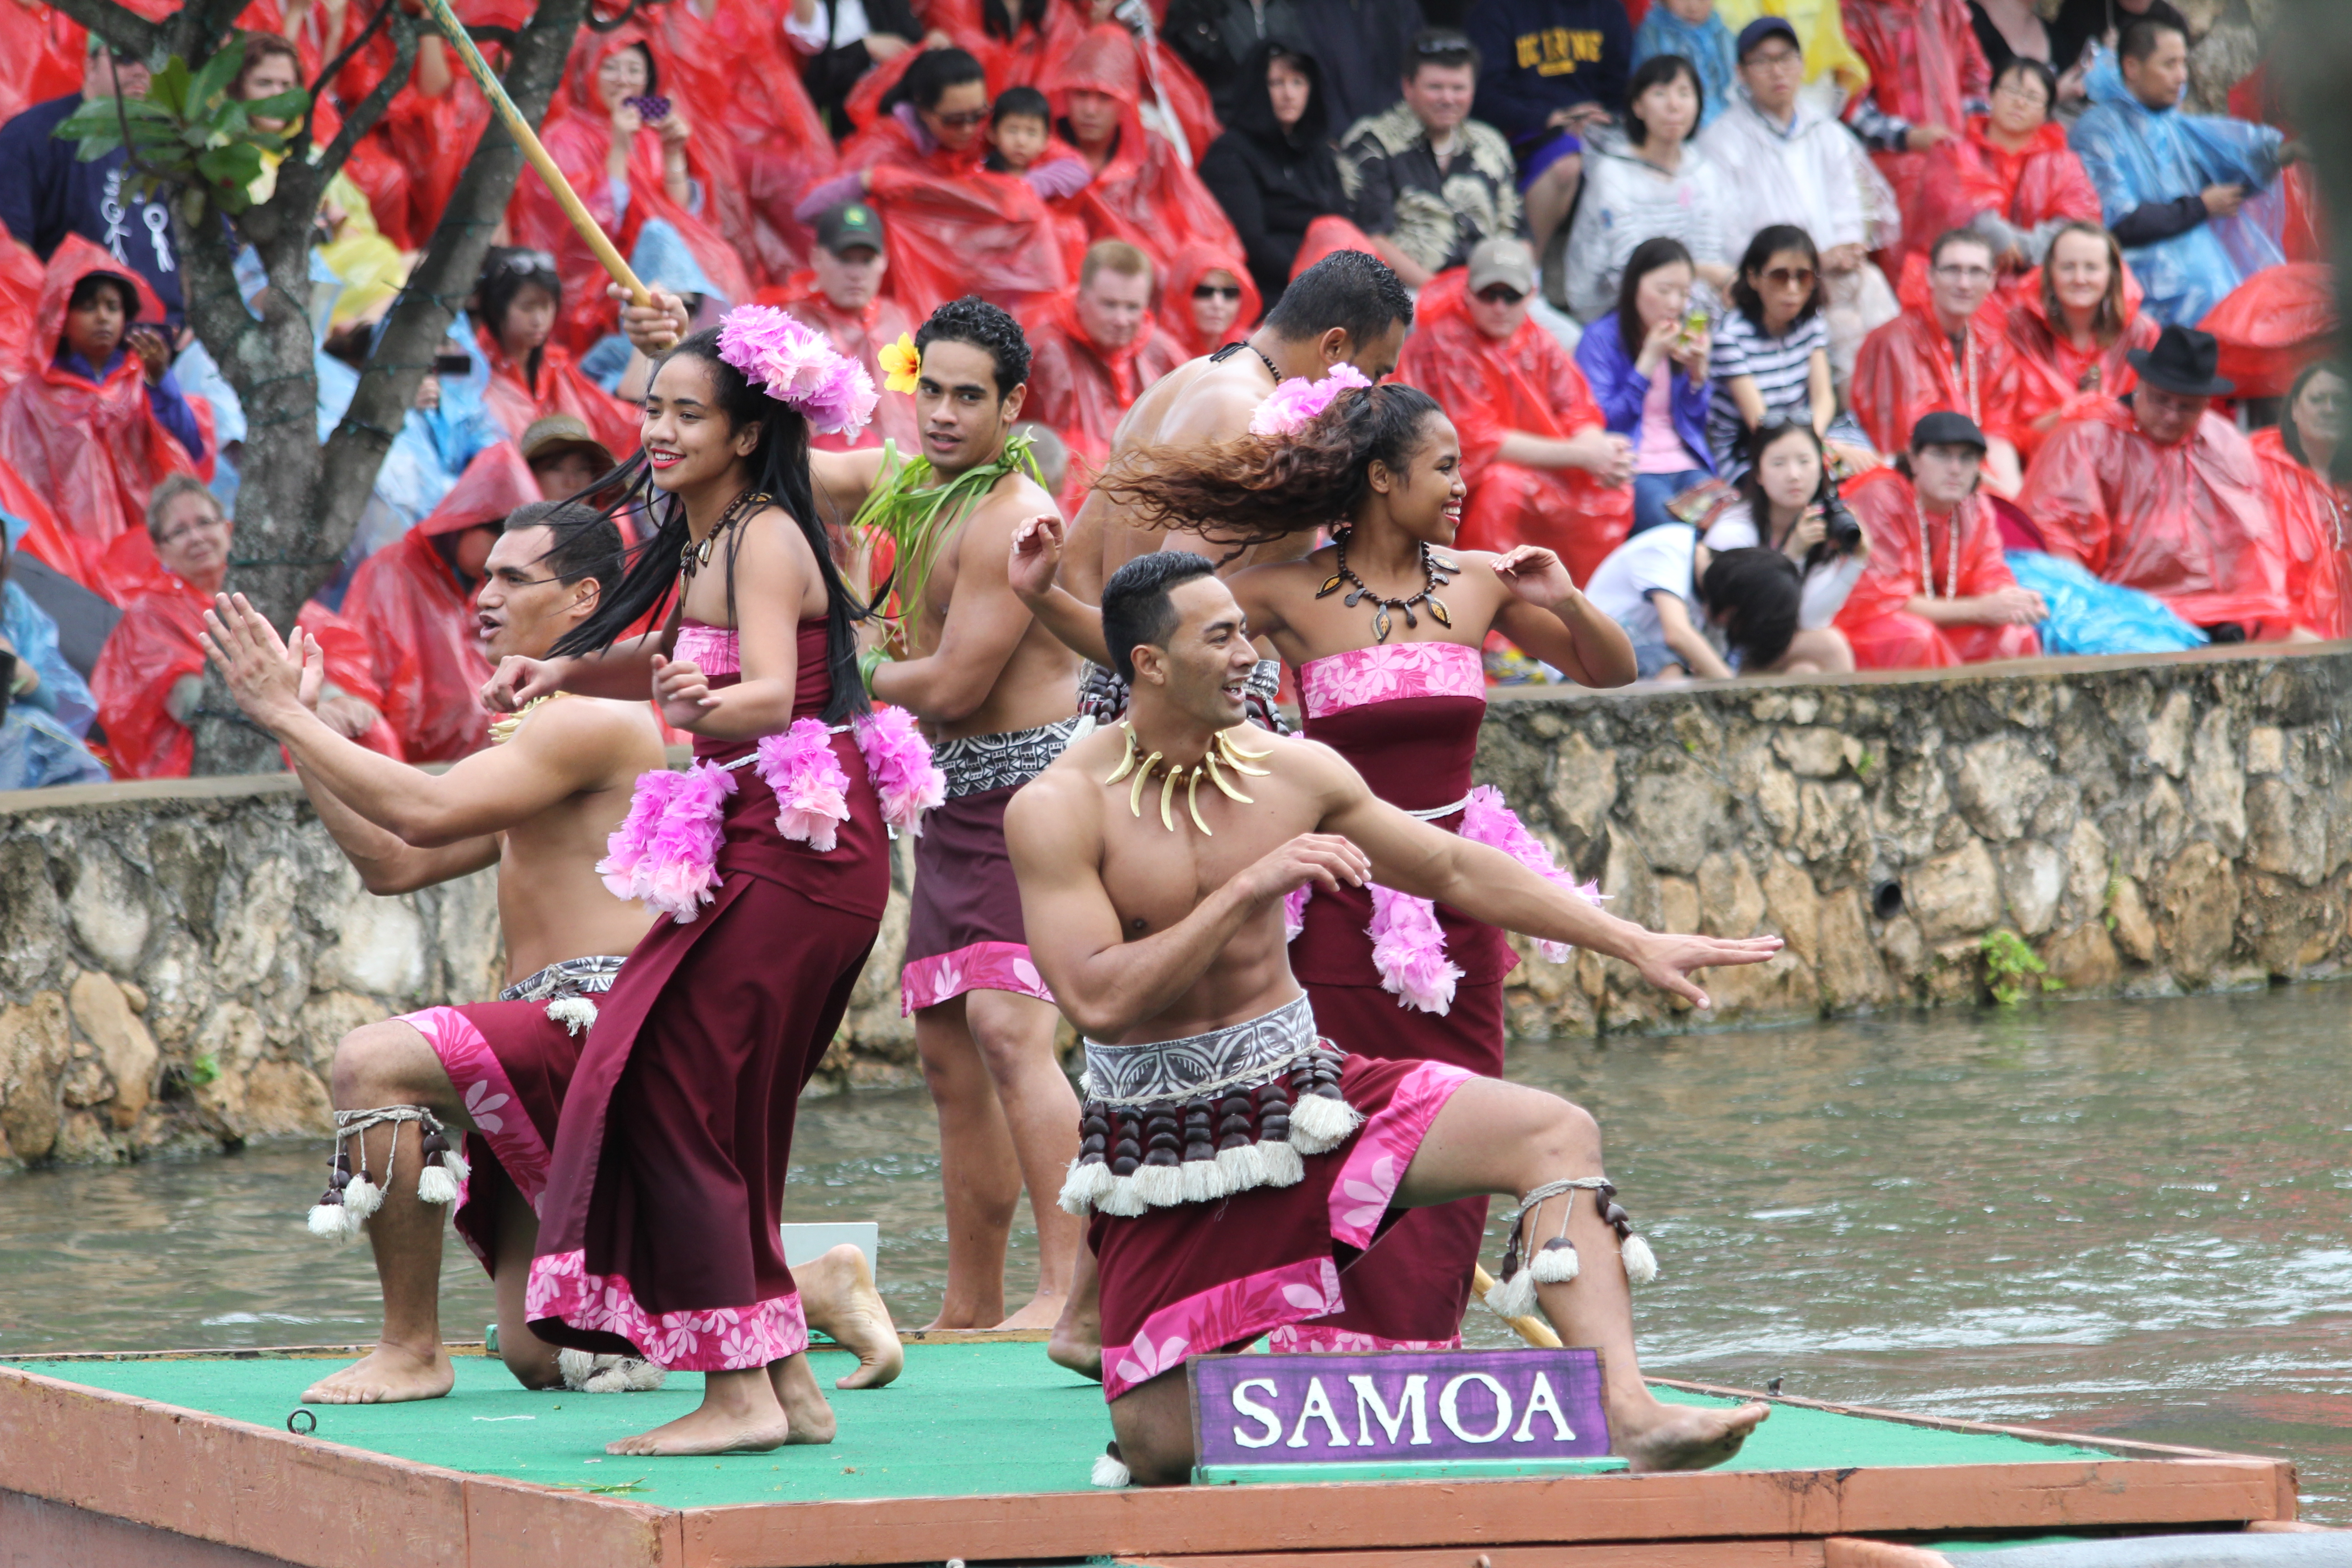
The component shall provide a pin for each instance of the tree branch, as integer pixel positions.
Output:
(371, 108)
(120, 26)
(196, 33)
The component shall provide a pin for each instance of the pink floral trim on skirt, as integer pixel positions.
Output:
(1381, 1154)
(983, 967)
(489, 1099)
(1231, 1313)
(1312, 1338)
(716, 1339)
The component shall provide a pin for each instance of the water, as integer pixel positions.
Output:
(2123, 1218)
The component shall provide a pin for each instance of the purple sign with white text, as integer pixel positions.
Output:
(1393, 1405)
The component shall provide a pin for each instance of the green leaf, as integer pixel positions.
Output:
(216, 76)
(288, 105)
(231, 167)
(167, 89)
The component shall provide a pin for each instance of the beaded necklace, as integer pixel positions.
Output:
(1951, 556)
(1435, 570)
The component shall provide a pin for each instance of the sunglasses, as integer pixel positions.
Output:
(1501, 294)
(1216, 292)
(963, 120)
(529, 261)
(1783, 276)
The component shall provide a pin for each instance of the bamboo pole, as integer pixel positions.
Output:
(1535, 1330)
(528, 140)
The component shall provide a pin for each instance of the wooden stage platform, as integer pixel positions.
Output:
(979, 1452)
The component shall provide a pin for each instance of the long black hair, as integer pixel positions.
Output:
(507, 271)
(927, 80)
(1658, 250)
(1654, 71)
(780, 467)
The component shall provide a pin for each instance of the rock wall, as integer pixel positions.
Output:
(178, 960)
(2137, 827)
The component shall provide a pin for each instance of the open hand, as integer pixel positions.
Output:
(1534, 576)
(1667, 960)
(1327, 860)
(1036, 555)
(520, 681)
(681, 692)
(262, 671)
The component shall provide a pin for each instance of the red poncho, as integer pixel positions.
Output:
(1970, 174)
(1886, 635)
(21, 276)
(2186, 522)
(1908, 368)
(43, 50)
(2310, 514)
(516, 401)
(861, 337)
(579, 135)
(1924, 66)
(1489, 389)
(93, 451)
(1192, 264)
(975, 232)
(2052, 372)
(1081, 390)
(2273, 324)
(155, 644)
(417, 618)
(1145, 195)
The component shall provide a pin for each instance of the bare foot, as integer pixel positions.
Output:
(709, 1430)
(804, 1402)
(387, 1374)
(1044, 1310)
(1077, 1343)
(954, 1319)
(1689, 1437)
(838, 1294)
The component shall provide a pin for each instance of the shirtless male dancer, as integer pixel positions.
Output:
(539, 806)
(1218, 1127)
(998, 695)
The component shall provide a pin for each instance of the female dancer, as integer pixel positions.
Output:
(659, 1232)
(1384, 627)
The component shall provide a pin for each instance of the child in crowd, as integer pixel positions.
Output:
(1691, 611)
(1692, 29)
(1019, 128)
(101, 327)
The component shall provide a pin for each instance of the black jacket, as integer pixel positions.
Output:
(1273, 182)
(1214, 36)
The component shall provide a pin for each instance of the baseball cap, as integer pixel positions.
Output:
(1765, 27)
(558, 433)
(848, 226)
(1503, 259)
(1944, 427)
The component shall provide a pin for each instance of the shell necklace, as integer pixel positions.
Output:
(1190, 774)
(1951, 557)
(692, 556)
(1436, 572)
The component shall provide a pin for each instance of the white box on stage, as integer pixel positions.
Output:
(807, 1242)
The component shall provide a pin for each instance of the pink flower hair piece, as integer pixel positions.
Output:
(664, 853)
(799, 367)
(898, 761)
(1487, 819)
(811, 790)
(1294, 910)
(1289, 408)
(1409, 950)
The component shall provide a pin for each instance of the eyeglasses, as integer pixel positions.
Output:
(963, 120)
(2024, 91)
(1501, 294)
(1789, 277)
(1217, 291)
(1778, 59)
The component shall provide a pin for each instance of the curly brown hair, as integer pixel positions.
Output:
(1255, 490)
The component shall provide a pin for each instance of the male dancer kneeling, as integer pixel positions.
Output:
(539, 806)
(1235, 1164)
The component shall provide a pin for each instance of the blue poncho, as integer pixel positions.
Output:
(2087, 616)
(40, 732)
(2136, 155)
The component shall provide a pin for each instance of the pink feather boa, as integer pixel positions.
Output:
(812, 789)
(1488, 819)
(664, 854)
(898, 760)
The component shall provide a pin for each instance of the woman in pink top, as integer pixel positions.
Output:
(1646, 362)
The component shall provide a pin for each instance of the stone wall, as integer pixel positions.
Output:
(178, 960)
(2141, 827)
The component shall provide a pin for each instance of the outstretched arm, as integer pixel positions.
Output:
(1412, 857)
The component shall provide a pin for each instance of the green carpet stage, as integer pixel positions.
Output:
(980, 1451)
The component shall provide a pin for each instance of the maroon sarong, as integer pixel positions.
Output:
(963, 922)
(659, 1232)
(1198, 1278)
(1406, 716)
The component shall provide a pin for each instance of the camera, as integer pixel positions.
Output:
(1840, 529)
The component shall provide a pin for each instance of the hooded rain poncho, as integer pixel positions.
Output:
(2311, 514)
(1876, 619)
(2052, 373)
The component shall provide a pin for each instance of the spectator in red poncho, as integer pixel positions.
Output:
(633, 158)
(1928, 74)
(1208, 301)
(2075, 331)
(2010, 177)
(1941, 352)
(840, 296)
(2163, 495)
(516, 307)
(412, 601)
(2304, 474)
(150, 676)
(100, 420)
(1093, 352)
(1141, 192)
(1936, 591)
(1536, 452)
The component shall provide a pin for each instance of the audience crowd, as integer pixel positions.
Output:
(1811, 334)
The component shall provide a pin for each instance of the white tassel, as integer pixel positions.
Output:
(1319, 1125)
(1554, 1265)
(435, 1185)
(574, 1013)
(327, 1222)
(456, 1165)
(360, 1199)
(1515, 1297)
(1204, 1183)
(1284, 1168)
(1159, 1187)
(1084, 1187)
(1123, 1201)
(1641, 1263)
(1109, 1472)
(576, 1367)
(1243, 1166)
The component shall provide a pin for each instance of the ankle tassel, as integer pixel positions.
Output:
(344, 1209)
(1556, 1261)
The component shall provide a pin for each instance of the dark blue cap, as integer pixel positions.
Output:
(1765, 27)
